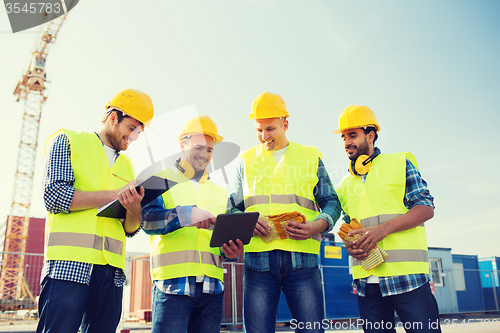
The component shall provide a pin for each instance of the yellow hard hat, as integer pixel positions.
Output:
(135, 103)
(268, 105)
(200, 125)
(356, 116)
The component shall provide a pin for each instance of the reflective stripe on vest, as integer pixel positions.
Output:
(282, 199)
(192, 256)
(80, 235)
(395, 256)
(376, 220)
(273, 188)
(85, 241)
(187, 251)
(407, 250)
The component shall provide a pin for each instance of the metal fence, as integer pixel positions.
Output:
(26, 291)
(456, 291)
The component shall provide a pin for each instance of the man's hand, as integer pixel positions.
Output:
(301, 231)
(369, 236)
(130, 184)
(203, 219)
(411, 219)
(354, 251)
(233, 250)
(94, 199)
(131, 200)
(261, 228)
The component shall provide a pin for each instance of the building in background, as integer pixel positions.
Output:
(33, 262)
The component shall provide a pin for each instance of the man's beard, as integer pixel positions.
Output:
(115, 140)
(361, 150)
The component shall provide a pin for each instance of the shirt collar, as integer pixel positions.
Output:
(117, 152)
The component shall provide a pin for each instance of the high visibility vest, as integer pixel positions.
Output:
(274, 188)
(186, 251)
(81, 235)
(378, 200)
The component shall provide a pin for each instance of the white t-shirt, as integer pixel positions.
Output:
(278, 154)
(110, 154)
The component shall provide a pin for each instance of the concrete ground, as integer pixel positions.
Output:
(465, 323)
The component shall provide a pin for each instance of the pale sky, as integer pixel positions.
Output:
(428, 69)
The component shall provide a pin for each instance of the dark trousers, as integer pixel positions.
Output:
(64, 306)
(417, 310)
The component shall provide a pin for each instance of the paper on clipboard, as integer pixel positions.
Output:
(154, 186)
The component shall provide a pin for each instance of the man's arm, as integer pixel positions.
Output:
(411, 219)
(236, 202)
(59, 194)
(58, 178)
(87, 200)
(328, 201)
(157, 220)
(421, 208)
(131, 200)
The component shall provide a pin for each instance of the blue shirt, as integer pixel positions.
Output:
(160, 221)
(416, 193)
(58, 190)
(327, 200)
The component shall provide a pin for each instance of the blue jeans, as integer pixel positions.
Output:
(417, 309)
(302, 290)
(181, 313)
(64, 305)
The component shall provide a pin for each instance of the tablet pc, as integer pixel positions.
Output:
(153, 187)
(233, 226)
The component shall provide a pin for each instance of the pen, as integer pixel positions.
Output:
(120, 178)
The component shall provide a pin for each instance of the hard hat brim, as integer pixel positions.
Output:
(217, 138)
(146, 124)
(254, 118)
(339, 131)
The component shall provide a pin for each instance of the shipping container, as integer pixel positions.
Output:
(490, 282)
(467, 283)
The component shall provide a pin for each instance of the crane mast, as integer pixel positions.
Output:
(31, 88)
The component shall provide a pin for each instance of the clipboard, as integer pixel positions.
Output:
(233, 226)
(154, 186)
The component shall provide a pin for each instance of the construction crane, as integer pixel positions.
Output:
(31, 89)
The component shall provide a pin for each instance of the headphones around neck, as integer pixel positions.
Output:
(362, 164)
(187, 169)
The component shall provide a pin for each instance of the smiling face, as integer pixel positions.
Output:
(271, 133)
(120, 134)
(197, 150)
(356, 143)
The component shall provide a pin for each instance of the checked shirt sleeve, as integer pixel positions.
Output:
(416, 192)
(156, 220)
(327, 198)
(58, 179)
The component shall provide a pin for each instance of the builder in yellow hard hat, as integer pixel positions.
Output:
(83, 275)
(282, 178)
(392, 206)
(188, 277)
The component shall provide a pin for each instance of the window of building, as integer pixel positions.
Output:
(436, 272)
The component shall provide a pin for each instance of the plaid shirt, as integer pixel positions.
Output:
(160, 221)
(416, 193)
(58, 192)
(325, 196)
(187, 286)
